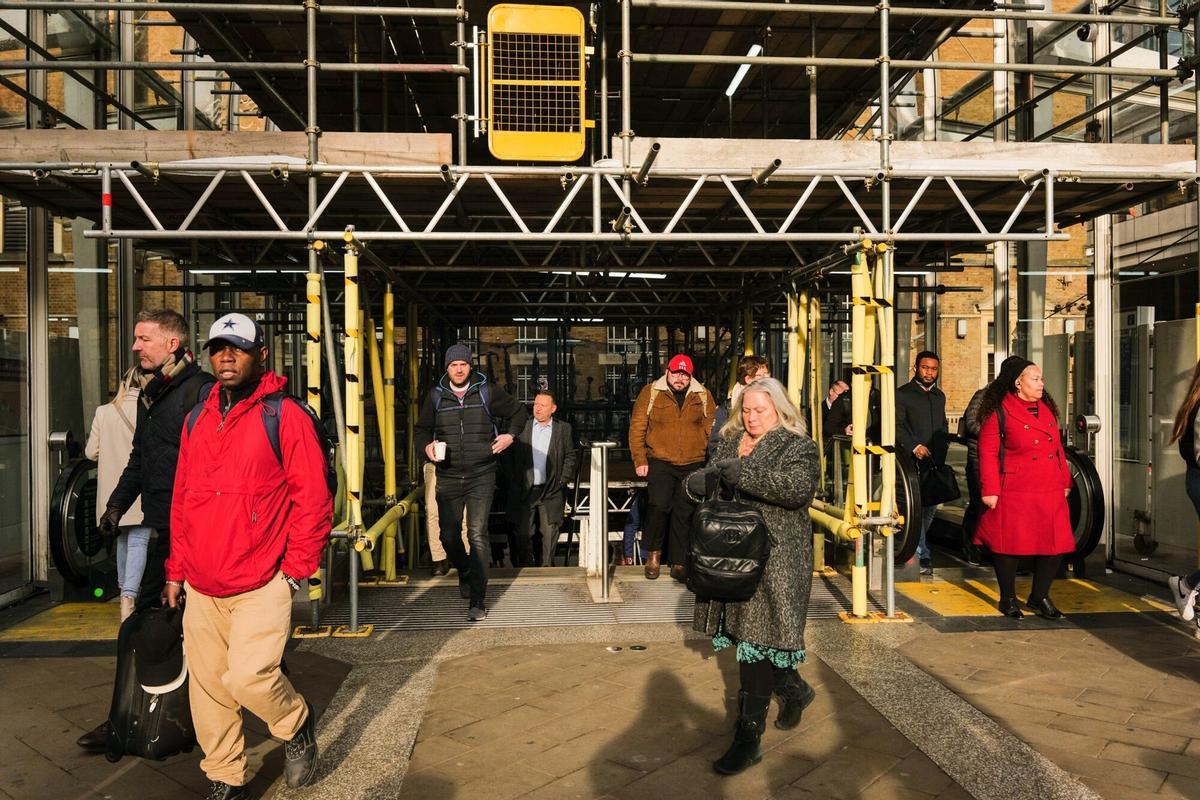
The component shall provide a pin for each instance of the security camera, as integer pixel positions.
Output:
(1086, 33)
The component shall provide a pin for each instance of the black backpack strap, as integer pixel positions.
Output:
(197, 406)
(272, 407)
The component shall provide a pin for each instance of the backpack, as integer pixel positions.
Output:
(272, 407)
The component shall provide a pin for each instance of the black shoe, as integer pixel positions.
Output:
(95, 740)
(300, 754)
(1009, 607)
(745, 751)
(794, 695)
(1044, 608)
(223, 791)
(439, 568)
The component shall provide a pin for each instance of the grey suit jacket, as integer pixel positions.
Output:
(560, 459)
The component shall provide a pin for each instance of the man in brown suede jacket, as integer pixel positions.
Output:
(668, 432)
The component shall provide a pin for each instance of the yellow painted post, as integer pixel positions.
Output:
(884, 292)
(861, 347)
(312, 377)
(362, 394)
(795, 371)
(377, 393)
(747, 332)
(414, 468)
(389, 423)
(352, 354)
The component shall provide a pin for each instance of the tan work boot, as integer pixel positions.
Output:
(652, 565)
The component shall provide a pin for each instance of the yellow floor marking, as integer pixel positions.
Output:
(973, 597)
(93, 622)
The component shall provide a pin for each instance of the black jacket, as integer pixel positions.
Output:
(921, 419)
(466, 427)
(561, 459)
(968, 428)
(151, 468)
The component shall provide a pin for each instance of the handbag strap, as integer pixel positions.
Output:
(1000, 426)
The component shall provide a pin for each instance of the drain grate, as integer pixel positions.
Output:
(534, 605)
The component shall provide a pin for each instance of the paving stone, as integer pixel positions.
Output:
(1110, 773)
(847, 774)
(435, 723)
(28, 774)
(434, 750)
(1152, 759)
(1122, 733)
(596, 781)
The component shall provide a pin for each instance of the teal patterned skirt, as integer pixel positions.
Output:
(750, 653)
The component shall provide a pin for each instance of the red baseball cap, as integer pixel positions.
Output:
(681, 363)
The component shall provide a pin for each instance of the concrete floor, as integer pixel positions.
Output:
(1102, 705)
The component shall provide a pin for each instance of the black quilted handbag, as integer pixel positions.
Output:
(730, 546)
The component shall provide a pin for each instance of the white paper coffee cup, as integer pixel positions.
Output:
(439, 451)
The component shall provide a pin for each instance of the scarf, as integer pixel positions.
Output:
(154, 383)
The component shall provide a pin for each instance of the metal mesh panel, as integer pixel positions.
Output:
(536, 82)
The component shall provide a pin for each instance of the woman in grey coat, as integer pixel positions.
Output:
(766, 456)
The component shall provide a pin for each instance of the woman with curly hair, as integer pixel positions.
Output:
(1184, 588)
(1025, 483)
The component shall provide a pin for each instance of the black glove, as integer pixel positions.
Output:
(111, 522)
(729, 470)
(701, 482)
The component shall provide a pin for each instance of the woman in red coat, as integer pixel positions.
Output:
(1025, 482)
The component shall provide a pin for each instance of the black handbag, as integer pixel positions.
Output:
(730, 546)
(939, 484)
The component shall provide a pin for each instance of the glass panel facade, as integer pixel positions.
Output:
(15, 560)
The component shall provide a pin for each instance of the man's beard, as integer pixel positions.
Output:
(927, 381)
(462, 385)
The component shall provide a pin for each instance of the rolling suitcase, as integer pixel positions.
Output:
(150, 724)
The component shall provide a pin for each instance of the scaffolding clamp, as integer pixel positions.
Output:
(1186, 10)
(280, 172)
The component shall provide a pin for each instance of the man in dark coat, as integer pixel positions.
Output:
(545, 460)
(968, 429)
(922, 429)
(458, 431)
(172, 383)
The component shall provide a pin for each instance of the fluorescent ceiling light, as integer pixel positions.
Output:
(10, 269)
(755, 49)
(94, 270)
(901, 273)
(220, 271)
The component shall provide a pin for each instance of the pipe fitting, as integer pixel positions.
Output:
(762, 175)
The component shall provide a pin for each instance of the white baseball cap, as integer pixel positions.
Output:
(238, 330)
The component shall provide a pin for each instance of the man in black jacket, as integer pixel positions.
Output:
(922, 429)
(457, 430)
(171, 383)
(546, 460)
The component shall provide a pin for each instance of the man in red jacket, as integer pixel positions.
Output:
(249, 520)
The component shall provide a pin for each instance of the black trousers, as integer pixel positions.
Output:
(1044, 570)
(547, 510)
(668, 506)
(974, 506)
(475, 495)
(154, 577)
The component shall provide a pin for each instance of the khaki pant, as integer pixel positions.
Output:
(234, 646)
(432, 521)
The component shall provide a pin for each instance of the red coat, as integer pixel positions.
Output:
(1031, 516)
(238, 516)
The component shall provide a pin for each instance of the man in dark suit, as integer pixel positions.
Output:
(546, 461)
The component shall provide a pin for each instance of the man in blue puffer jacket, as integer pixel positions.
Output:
(458, 429)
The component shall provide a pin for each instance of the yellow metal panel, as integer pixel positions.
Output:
(69, 622)
(536, 83)
(969, 597)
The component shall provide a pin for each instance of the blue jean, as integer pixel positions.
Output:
(927, 515)
(475, 495)
(633, 524)
(132, 543)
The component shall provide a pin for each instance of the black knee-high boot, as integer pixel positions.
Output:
(747, 736)
(794, 695)
(754, 700)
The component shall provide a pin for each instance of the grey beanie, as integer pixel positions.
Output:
(457, 352)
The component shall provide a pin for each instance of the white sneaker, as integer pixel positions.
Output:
(1185, 598)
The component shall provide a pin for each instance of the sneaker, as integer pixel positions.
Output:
(926, 566)
(300, 754)
(218, 790)
(1185, 598)
(476, 614)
